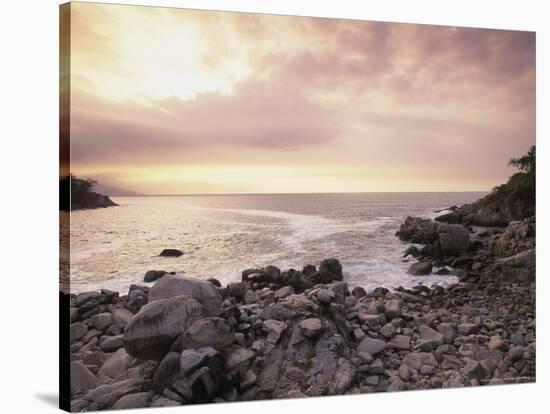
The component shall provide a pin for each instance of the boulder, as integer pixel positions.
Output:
(392, 309)
(212, 331)
(150, 333)
(191, 359)
(171, 253)
(117, 365)
(78, 330)
(101, 321)
(82, 378)
(204, 292)
(137, 400)
(454, 239)
(284, 292)
(106, 395)
(152, 275)
(420, 268)
(122, 316)
(167, 372)
(332, 266)
(418, 230)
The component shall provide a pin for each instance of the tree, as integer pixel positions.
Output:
(526, 163)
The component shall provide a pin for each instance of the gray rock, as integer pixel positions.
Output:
(150, 333)
(392, 309)
(430, 338)
(467, 328)
(112, 343)
(473, 370)
(101, 321)
(284, 292)
(371, 346)
(448, 332)
(417, 359)
(122, 316)
(106, 395)
(191, 359)
(387, 331)
(117, 365)
(78, 330)
(204, 292)
(238, 357)
(454, 239)
(516, 353)
(250, 297)
(214, 332)
(325, 296)
(495, 343)
(237, 289)
(152, 275)
(420, 268)
(311, 327)
(400, 343)
(167, 372)
(404, 372)
(274, 330)
(82, 378)
(137, 400)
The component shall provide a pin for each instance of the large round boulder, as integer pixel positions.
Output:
(151, 332)
(454, 239)
(203, 291)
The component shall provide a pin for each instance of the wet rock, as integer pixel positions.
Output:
(411, 251)
(420, 268)
(358, 292)
(171, 253)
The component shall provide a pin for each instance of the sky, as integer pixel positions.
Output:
(178, 101)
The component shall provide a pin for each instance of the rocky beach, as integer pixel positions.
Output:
(302, 332)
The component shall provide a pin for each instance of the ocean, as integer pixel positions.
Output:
(221, 235)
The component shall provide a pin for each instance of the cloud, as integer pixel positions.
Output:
(277, 90)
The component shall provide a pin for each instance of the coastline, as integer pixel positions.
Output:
(303, 333)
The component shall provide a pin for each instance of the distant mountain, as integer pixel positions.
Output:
(114, 191)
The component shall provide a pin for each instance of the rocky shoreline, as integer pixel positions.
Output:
(298, 333)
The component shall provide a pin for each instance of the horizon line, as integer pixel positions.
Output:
(297, 193)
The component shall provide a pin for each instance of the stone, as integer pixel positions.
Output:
(392, 309)
(311, 327)
(213, 332)
(204, 292)
(448, 332)
(171, 253)
(250, 297)
(82, 379)
(167, 372)
(420, 268)
(358, 292)
(359, 334)
(101, 321)
(518, 339)
(430, 338)
(325, 296)
(418, 230)
(495, 343)
(137, 400)
(516, 353)
(467, 328)
(78, 330)
(152, 275)
(248, 380)
(106, 395)
(371, 346)
(333, 266)
(191, 359)
(150, 333)
(237, 357)
(454, 239)
(117, 365)
(411, 251)
(404, 372)
(417, 359)
(274, 330)
(112, 343)
(400, 342)
(122, 316)
(387, 331)
(473, 370)
(237, 289)
(284, 292)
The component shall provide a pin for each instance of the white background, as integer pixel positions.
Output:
(29, 220)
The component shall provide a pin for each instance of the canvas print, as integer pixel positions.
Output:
(261, 207)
